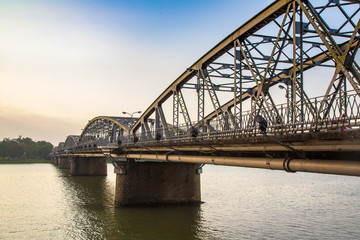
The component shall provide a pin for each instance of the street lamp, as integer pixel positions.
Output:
(286, 89)
(131, 114)
(287, 100)
(131, 124)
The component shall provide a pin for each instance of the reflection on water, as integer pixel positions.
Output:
(177, 222)
(41, 201)
(95, 216)
(89, 199)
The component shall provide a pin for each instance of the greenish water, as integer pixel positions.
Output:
(15, 161)
(40, 201)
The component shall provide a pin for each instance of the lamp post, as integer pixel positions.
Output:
(132, 123)
(131, 114)
(287, 100)
(286, 89)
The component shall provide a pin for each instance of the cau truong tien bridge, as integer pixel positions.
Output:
(281, 92)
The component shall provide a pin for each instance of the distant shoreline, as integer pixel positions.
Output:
(17, 161)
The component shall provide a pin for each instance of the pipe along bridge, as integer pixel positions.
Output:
(280, 92)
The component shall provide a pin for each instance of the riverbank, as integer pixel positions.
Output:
(17, 161)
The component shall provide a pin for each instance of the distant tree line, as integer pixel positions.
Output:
(24, 148)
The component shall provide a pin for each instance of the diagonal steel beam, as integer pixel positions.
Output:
(308, 64)
(183, 107)
(214, 99)
(328, 41)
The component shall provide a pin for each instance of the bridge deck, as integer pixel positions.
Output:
(316, 145)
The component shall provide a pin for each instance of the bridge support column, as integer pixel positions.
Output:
(156, 183)
(64, 163)
(88, 166)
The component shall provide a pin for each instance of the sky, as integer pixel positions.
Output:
(64, 62)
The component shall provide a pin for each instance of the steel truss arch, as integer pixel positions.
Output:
(60, 147)
(71, 142)
(103, 130)
(278, 46)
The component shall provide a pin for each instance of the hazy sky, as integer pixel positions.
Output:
(64, 62)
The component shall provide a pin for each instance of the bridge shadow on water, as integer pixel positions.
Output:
(92, 213)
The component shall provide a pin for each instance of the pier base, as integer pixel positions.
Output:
(55, 160)
(156, 183)
(64, 163)
(88, 166)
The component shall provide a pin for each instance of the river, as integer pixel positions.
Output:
(40, 201)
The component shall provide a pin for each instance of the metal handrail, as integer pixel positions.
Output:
(335, 120)
(339, 117)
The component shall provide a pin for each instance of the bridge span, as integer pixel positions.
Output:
(280, 92)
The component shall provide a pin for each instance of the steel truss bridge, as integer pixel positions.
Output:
(253, 99)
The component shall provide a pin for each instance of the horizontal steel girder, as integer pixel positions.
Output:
(351, 168)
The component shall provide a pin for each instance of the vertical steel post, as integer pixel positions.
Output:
(201, 101)
(301, 69)
(293, 82)
(176, 113)
(237, 87)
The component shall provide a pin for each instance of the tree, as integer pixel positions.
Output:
(43, 149)
(24, 148)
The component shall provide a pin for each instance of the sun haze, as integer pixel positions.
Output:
(63, 63)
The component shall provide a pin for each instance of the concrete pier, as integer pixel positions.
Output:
(156, 183)
(64, 163)
(88, 166)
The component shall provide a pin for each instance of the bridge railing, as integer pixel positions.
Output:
(342, 114)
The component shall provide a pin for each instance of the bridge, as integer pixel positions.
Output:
(280, 92)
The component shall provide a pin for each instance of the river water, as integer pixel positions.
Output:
(40, 201)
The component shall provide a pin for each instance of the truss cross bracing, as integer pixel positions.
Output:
(275, 65)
